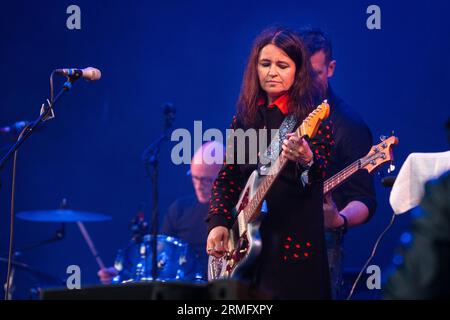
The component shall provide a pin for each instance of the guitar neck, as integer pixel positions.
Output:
(342, 176)
(308, 127)
(251, 211)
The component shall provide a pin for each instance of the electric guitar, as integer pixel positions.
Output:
(244, 242)
(378, 155)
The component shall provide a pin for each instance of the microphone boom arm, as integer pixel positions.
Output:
(45, 114)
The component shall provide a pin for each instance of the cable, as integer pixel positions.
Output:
(51, 89)
(11, 232)
(371, 256)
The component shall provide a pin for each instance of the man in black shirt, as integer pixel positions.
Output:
(353, 203)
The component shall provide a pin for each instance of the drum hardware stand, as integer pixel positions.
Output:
(139, 227)
(150, 158)
(59, 235)
(9, 284)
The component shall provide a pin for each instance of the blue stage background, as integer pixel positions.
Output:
(191, 53)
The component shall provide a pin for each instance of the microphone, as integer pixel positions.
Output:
(14, 128)
(89, 73)
(388, 181)
(169, 114)
(168, 108)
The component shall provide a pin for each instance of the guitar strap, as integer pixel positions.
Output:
(273, 151)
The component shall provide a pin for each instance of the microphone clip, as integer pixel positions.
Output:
(50, 115)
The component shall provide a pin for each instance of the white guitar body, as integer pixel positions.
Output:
(244, 241)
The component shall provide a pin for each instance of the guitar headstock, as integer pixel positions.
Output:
(380, 154)
(311, 124)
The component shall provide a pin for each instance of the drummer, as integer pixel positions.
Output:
(185, 219)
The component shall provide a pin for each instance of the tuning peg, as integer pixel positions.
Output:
(383, 137)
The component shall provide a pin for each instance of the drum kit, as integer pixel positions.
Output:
(175, 261)
(175, 258)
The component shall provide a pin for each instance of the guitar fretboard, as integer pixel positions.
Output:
(308, 127)
(340, 177)
(251, 210)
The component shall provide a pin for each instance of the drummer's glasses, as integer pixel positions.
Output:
(203, 180)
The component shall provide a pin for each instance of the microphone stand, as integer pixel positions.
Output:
(46, 113)
(150, 158)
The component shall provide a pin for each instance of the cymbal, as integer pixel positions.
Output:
(62, 215)
(42, 276)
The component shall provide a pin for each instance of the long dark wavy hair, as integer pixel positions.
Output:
(304, 93)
